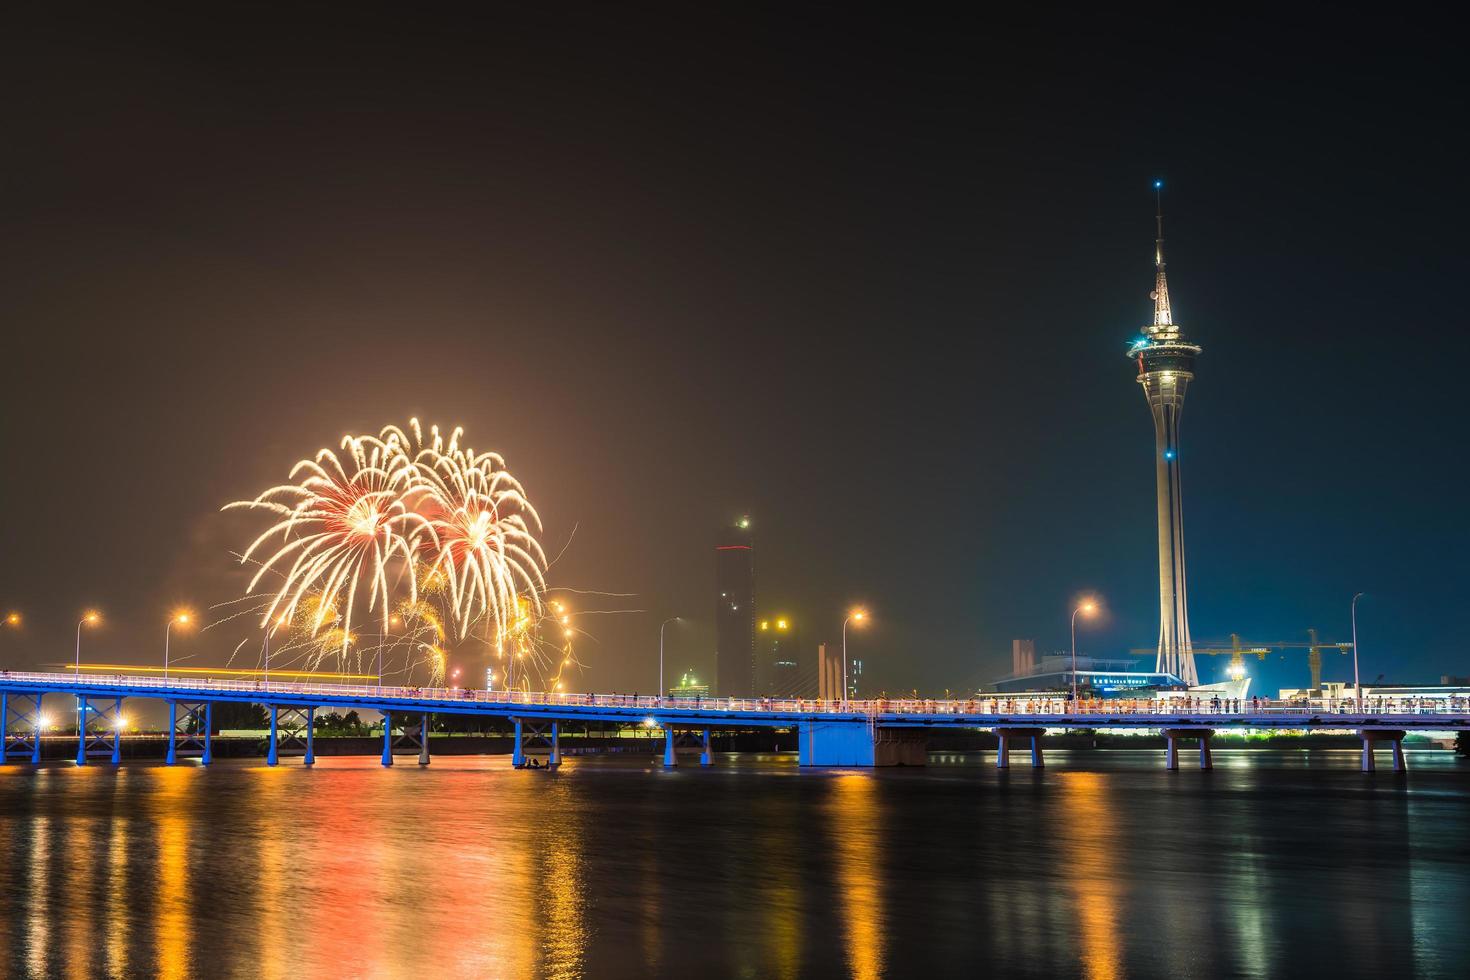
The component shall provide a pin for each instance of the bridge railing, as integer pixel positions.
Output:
(1056, 707)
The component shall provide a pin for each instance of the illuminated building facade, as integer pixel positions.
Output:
(735, 611)
(689, 687)
(778, 657)
(1165, 367)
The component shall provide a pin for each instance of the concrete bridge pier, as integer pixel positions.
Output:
(553, 761)
(1373, 736)
(424, 740)
(387, 738)
(1003, 749)
(671, 758)
(310, 758)
(273, 748)
(705, 758)
(1171, 758)
(518, 750)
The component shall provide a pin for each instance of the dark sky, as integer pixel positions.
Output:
(868, 277)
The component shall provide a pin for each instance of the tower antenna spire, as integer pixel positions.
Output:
(1163, 315)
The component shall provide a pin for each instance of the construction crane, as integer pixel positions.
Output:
(1238, 649)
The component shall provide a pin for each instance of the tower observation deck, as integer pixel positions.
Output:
(1165, 367)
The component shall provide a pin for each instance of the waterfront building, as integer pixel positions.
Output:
(689, 687)
(1096, 677)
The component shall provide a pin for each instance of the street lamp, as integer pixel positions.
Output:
(856, 616)
(182, 619)
(90, 618)
(1357, 684)
(1087, 607)
(671, 619)
(12, 619)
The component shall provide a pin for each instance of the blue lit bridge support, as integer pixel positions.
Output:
(1371, 738)
(21, 725)
(290, 733)
(1203, 735)
(1003, 747)
(188, 731)
(546, 734)
(93, 727)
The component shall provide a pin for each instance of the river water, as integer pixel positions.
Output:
(1100, 866)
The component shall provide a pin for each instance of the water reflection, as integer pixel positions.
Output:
(562, 895)
(471, 869)
(858, 842)
(38, 905)
(1090, 873)
(119, 919)
(173, 926)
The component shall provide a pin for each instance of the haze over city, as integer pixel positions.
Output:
(879, 300)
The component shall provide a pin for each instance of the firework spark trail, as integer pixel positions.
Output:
(483, 528)
(339, 529)
(397, 512)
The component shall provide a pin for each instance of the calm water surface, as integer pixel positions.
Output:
(1101, 866)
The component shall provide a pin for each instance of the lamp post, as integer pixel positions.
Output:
(183, 620)
(857, 615)
(1357, 684)
(89, 618)
(1088, 607)
(671, 619)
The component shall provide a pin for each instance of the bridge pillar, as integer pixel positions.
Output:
(1371, 738)
(387, 738)
(81, 729)
(1173, 735)
(554, 759)
(1003, 747)
(310, 758)
(23, 739)
(423, 740)
(518, 753)
(671, 758)
(117, 726)
(173, 733)
(208, 755)
(705, 758)
(272, 750)
(36, 746)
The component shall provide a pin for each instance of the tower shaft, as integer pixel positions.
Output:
(1165, 393)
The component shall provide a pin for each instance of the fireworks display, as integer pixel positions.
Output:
(422, 540)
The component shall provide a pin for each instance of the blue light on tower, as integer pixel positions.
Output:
(1158, 185)
(1168, 454)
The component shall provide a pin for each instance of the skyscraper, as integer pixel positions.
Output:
(778, 644)
(1165, 368)
(735, 612)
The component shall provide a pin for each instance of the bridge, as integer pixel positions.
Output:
(853, 733)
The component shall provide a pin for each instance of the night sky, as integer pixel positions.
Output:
(869, 278)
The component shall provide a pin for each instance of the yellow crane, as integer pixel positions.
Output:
(1238, 649)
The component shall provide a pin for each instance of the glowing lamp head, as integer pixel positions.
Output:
(858, 615)
(92, 617)
(13, 619)
(1088, 607)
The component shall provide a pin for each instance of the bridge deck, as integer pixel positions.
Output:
(1418, 714)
